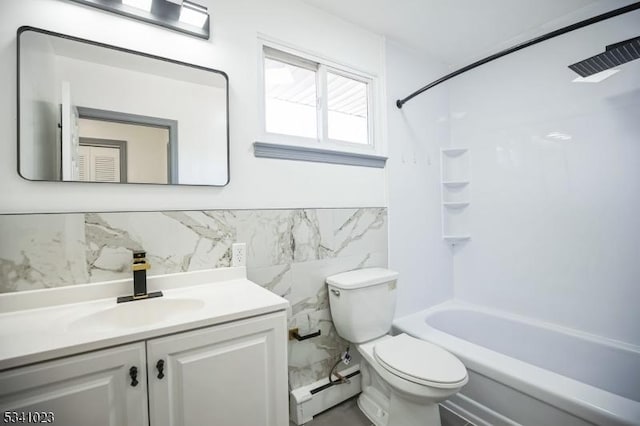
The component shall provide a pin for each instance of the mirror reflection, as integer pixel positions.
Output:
(95, 113)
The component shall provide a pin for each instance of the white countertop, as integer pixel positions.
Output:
(42, 333)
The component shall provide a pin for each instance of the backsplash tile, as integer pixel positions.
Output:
(41, 251)
(174, 241)
(289, 252)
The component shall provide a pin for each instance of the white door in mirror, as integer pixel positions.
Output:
(239, 254)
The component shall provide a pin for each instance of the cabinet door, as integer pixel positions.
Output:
(228, 375)
(93, 389)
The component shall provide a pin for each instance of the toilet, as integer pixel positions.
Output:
(403, 378)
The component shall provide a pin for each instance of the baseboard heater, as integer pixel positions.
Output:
(307, 401)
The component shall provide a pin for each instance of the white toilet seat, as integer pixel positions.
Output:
(420, 362)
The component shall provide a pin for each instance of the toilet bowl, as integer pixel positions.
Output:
(403, 378)
(412, 375)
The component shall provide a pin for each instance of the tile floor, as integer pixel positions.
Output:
(348, 414)
(448, 418)
(345, 414)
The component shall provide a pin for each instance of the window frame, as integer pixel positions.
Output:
(322, 66)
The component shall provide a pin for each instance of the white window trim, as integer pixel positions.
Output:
(374, 99)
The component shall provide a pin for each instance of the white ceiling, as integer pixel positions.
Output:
(457, 32)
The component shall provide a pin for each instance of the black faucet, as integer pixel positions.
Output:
(139, 267)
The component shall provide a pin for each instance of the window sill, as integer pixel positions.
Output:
(316, 155)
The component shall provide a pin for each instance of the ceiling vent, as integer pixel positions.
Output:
(614, 55)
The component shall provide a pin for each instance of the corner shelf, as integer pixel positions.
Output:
(455, 204)
(455, 183)
(456, 238)
(454, 152)
(455, 168)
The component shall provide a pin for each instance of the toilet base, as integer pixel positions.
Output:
(405, 412)
(374, 405)
(396, 410)
(386, 406)
(390, 400)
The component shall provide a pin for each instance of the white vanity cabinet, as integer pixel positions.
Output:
(231, 374)
(89, 389)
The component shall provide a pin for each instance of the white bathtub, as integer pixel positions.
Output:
(527, 372)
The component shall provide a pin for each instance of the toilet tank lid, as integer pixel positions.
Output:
(362, 278)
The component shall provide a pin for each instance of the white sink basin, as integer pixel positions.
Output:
(137, 313)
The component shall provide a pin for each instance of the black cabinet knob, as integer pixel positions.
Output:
(160, 368)
(133, 373)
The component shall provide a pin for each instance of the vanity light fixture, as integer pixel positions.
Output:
(183, 16)
(193, 14)
(139, 4)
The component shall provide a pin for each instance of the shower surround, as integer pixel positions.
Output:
(289, 252)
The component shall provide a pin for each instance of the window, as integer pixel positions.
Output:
(290, 98)
(312, 102)
(348, 106)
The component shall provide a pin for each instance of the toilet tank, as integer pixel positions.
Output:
(362, 303)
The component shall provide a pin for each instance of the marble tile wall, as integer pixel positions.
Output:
(289, 252)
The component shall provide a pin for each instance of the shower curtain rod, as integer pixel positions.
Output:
(552, 34)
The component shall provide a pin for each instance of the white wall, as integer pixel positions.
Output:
(233, 48)
(554, 223)
(415, 134)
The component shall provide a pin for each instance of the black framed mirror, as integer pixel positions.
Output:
(91, 112)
